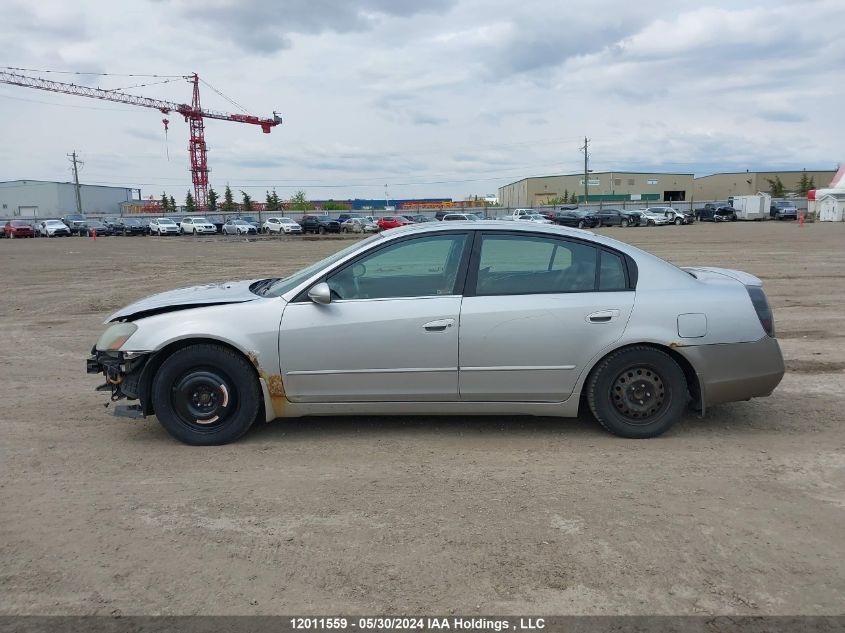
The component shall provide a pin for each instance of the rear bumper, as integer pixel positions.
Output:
(736, 371)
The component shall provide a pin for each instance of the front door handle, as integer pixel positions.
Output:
(602, 316)
(438, 326)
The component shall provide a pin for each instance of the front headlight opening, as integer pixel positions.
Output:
(116, 336)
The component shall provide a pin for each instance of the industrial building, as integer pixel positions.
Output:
(747, 183)
(606, 186)
(46, 199)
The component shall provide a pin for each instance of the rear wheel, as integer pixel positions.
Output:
(206, 395)
(637, 392)
(322, 230)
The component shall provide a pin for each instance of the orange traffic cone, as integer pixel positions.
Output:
(93, 234)
(801, 219)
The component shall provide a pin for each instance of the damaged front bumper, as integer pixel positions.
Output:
(124, 374)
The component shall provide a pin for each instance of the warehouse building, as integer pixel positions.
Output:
(747, 183)
(607, 186)
(46, 199)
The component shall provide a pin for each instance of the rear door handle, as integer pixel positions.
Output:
(438, 326)
(602, 316)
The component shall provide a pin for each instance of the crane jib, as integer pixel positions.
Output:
(193, 114)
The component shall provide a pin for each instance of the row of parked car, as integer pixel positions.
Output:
(74, 224)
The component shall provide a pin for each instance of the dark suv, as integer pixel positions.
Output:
(575, 217)
(319, 224)
(616, 217)
(74, 222)
(716, 212)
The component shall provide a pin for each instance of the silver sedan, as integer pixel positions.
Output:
(448, 318)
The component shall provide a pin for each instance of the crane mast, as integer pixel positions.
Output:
(193, 114)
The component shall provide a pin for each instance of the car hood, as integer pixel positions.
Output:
(185, 298)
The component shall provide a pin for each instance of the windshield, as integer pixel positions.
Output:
(19, 223)
(282, 286)
(165, 221)
(199, 221)
(286, 221)
(54, 223)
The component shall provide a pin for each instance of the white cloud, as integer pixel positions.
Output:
(468, 94)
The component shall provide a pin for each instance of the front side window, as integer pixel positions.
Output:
(419, 267)
(516, 264)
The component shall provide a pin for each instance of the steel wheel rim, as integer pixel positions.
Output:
(639, 394)
(203, 399)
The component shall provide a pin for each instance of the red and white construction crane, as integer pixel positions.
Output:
(194, 116)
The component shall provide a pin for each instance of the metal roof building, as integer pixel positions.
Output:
(747, 183)
(47, 199)
(606, 186)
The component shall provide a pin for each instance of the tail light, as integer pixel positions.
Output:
(761, 305)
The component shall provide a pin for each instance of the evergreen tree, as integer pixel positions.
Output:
(165, 203)
(299, 202)
(212, 201)
(812, 183)
(776, 187)
(173, 204)
(247, 201)
(565, 196)
(190, 207)
(272, 203)
(228, 200)
(803, 184)
(573, 199)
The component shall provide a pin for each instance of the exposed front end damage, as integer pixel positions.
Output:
(126, 379)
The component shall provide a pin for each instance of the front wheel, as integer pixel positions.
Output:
(625, 223)
(206, 395)
(581, 224)
(650, 223)
(322, 230)
(637, 392)
(678, 221)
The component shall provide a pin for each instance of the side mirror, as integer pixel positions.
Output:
(321, 293)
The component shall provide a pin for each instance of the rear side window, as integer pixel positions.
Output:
(612, 274)
(529, 264)
(515, 264)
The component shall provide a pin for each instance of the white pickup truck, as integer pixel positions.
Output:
(518, 214)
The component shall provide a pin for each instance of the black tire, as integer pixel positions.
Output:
(650, 223)
(637, 392)
(322, 230)
(678, 221)
(581, 224)
(344, 230)
(206, 380)
(625, 224)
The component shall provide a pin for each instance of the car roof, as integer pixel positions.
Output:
(499, 225)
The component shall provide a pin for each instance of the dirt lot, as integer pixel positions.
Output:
(739, 513)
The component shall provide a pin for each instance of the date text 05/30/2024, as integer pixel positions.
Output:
(455, 623)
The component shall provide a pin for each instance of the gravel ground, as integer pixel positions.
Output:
(738, 513)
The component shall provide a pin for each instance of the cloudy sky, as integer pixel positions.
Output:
(429, 97)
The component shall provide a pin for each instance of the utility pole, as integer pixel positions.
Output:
(585, 149)
(76, 162)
